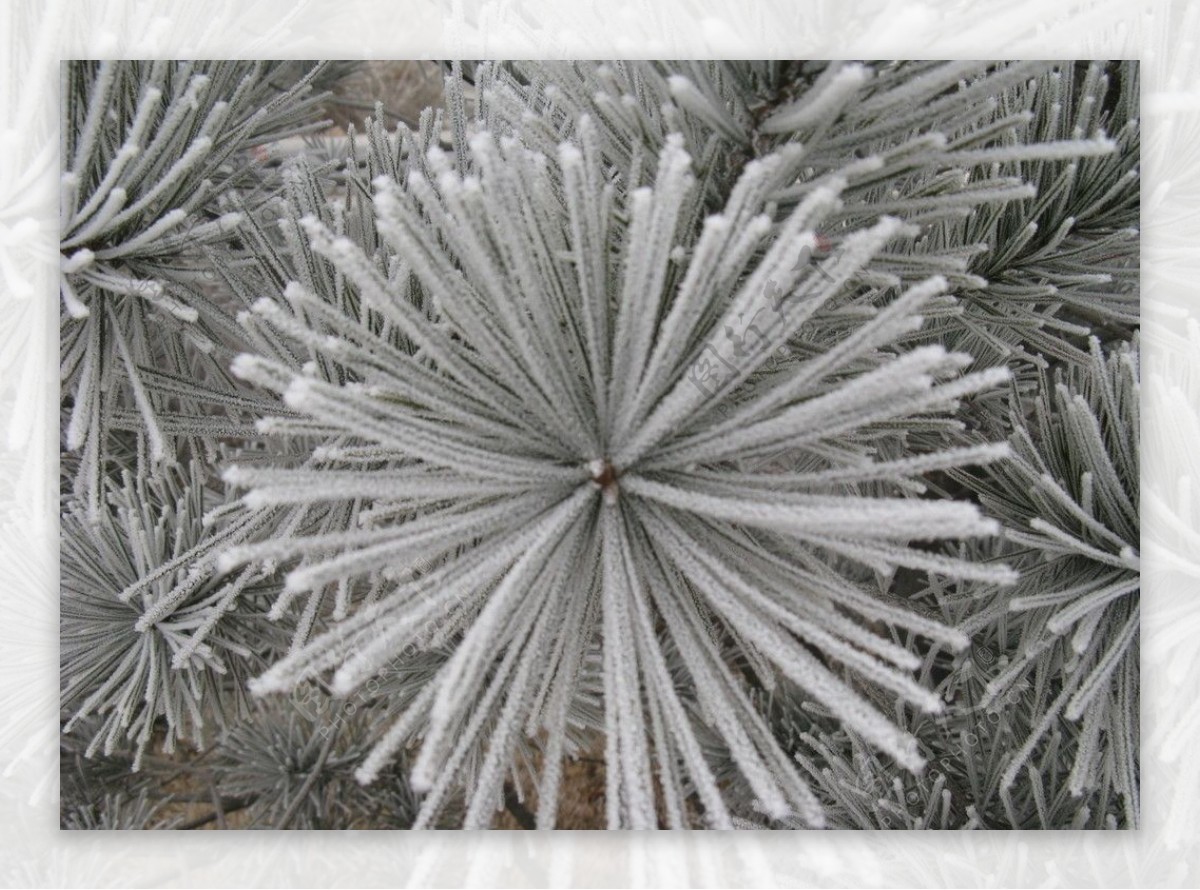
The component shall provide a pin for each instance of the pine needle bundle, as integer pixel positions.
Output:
(705, 418)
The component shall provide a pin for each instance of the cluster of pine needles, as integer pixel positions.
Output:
(762, 434)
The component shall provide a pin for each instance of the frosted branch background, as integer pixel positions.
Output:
(1165, 853)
